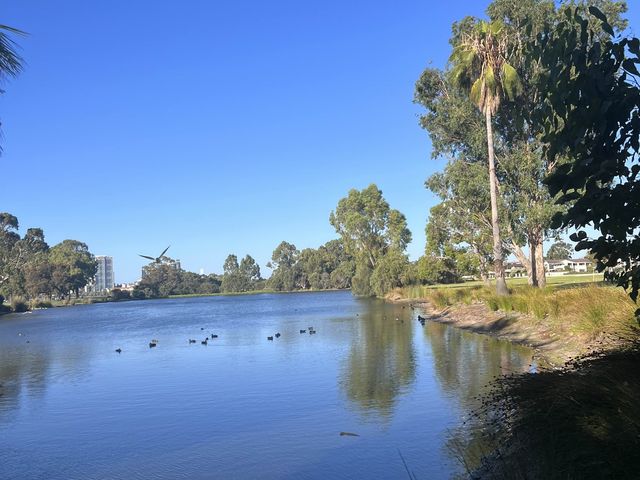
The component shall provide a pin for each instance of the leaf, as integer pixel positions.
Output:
(490, 79)
(630, 66)
(476, 92)
(511, 81)
(596, 12)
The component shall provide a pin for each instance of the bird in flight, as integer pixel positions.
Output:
(157, 259)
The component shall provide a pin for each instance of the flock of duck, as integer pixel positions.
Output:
(310, 330)
(153, 343)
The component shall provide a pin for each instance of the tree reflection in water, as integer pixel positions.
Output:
(382, 361)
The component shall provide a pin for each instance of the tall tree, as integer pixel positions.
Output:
(559, 251)
(73, 266)
(284, 263)
(480, 62)
(369, 229)
(8, 238)
(249, 271)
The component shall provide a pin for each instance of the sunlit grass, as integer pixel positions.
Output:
(571, 304)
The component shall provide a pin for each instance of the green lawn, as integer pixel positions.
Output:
(558, 280)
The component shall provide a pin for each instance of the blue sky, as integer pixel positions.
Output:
(216, 127)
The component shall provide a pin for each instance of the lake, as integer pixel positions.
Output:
(242, 406)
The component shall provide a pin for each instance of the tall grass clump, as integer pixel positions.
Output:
(440, 299)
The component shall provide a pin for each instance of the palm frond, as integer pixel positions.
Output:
(10, 61)
(511, 82)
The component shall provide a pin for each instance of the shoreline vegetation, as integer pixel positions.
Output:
(578, 415)
(44, 305)
(562, 322)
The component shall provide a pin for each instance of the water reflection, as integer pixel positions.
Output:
(27, 371)
(382, 361)
(465, 363)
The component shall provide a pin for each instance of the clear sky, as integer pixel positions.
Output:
(216, 127)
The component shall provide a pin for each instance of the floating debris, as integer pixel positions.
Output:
(348, 434)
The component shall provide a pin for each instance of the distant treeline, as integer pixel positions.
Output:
(369, 258)
(327, 267)
(30, 269)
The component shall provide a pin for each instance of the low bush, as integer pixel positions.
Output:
(40, 304)
(19, 305)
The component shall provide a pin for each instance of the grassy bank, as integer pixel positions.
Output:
(585, 310)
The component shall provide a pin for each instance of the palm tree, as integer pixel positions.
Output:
(10, 61)
(479, 63)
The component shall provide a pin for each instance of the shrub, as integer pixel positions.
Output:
(19, 305)
(41, 304)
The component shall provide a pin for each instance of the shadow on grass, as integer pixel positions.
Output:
(579, 422)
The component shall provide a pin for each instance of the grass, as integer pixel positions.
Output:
(569, 305)
(582, 421)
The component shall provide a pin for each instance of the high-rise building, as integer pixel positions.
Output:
(104, 275)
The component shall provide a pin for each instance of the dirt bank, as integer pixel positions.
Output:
(553, 348)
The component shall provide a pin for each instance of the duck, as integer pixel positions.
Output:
(192, 340)
(118, 350)
(269, 338)
(214, 336)
(152, 344)
(278, 335)
(205, 341)
(303, 331)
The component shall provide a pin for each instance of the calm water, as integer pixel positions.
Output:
(241, 407)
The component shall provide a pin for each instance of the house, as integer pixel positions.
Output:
(577, 265)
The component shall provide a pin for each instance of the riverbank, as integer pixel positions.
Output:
(579, 416)
(25, 305)
(559, 323)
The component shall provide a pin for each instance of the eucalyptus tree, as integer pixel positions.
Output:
(284, 263)
(480, 62)
(73, 266)
(370, 229)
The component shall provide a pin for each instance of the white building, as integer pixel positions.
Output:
(578, 265)
(104, 279)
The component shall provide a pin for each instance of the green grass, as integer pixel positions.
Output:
(570, 305)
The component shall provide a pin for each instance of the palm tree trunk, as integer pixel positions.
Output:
(501, 284)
